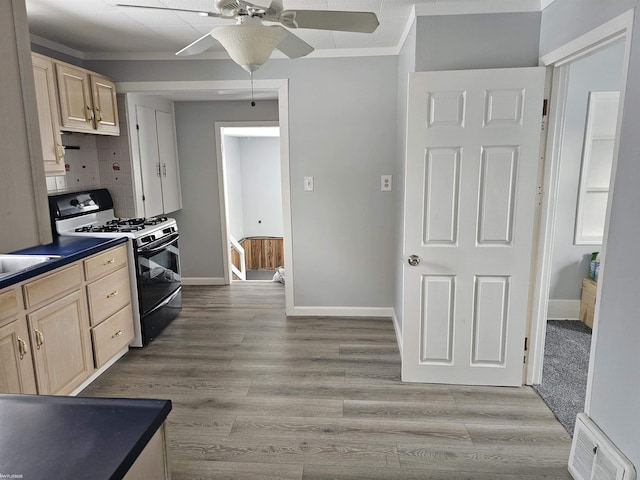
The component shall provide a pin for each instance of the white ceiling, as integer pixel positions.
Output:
(98, 29)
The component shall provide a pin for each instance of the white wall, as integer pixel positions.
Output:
(406, 64)
(465, 42)
(570, 264)
(616, 358)
(233, 168)
(342, 117)
(261, 186)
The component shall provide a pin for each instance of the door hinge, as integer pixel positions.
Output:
(545, 107)
(526, 343)
(138, 126)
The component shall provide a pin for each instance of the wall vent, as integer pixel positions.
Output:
(594, 457)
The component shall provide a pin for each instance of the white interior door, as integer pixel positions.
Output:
(149, 160)
(470, 202)
(168, 158)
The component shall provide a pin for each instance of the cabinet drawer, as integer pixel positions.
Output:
(108, 295)
(52, 285)
(104, 263)
(8, 303)
(112, 335)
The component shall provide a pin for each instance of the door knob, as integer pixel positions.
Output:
(414, 260)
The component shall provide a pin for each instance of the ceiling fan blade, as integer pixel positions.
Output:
(199, 46)
(363, 22)
(293, 46)
(257, 3)
(199, 12)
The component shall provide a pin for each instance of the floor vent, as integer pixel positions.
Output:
(594, 457)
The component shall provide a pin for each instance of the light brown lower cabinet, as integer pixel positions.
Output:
(61, 344)
(46, 331)
(153, 461)
(16, 366)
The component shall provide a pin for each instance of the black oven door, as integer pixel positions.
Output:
(158, 271)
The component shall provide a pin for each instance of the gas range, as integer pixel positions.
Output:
(154, 258)
(91, 213)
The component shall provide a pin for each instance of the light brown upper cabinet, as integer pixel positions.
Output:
(48, 116)
(87, 101)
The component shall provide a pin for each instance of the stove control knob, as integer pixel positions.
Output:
(147, 239)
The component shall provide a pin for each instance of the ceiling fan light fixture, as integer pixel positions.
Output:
(249, 45)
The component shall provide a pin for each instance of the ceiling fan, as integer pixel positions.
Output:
(250, 43)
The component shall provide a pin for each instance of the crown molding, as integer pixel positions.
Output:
(58, 47)
(545, 3)
(466, 7)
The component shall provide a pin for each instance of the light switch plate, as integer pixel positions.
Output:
(386, 182)
(308, 184)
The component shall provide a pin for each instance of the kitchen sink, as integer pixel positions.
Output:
(10, 263)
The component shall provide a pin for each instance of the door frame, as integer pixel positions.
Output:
(615, 30)
(223, 190)
(216, 88)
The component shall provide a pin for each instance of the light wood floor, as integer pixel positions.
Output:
(259, 396)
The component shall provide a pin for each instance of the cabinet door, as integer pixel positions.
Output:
(16, 366)
(149, 160)
(171, 196)
(74, 92)
(61, 344)
(52, 151)
(105, 107)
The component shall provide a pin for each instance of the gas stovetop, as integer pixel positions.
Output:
(106, 224)
(125, 225)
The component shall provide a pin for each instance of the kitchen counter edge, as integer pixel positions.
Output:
(70, 249)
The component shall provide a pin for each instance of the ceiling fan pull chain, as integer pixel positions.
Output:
(253, 103)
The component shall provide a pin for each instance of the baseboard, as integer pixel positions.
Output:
(342, 312)
(398, 330)
(563, 310)
(99, 372)
(203, 281)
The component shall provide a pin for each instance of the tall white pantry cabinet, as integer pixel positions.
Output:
(154, 141)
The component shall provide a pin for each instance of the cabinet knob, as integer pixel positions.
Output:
(110, 261)
(99, 114)
(39, 338)
(112, 294)
(91, 116)
(117, 334)
(22, 348)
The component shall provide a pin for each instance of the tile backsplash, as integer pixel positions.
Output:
(94, 161)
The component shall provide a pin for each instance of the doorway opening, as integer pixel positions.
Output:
(577, 185)
(252, 190)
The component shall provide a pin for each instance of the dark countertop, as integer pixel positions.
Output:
(44, 437)
(71, 249)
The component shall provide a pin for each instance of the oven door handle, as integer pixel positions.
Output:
(151, 250)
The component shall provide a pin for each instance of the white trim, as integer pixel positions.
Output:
(396, 328)
(384, 312)
(545, 3)
(619, 28)
(222, 189)
(58, 47)
(222, 55)
(407, 29)
(599, 37)
(563, 310)
(544, 254)
(203, 281)
(465, 7)
(203, 86)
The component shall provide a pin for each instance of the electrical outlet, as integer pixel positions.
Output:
(386, 182)
(308, 184)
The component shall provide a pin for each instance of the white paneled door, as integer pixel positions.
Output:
(473, 158)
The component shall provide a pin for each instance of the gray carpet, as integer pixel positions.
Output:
(564, 376)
